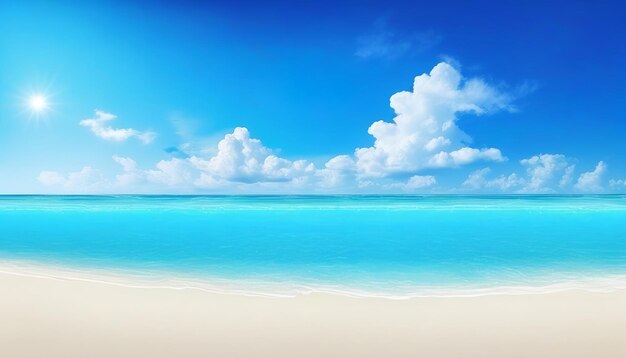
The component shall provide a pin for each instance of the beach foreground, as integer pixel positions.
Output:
(65, 318)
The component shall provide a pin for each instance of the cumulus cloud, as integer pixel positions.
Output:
(337, 172)
(544, 170)
(465, 156)
(240, 158)
(591, 181)
(100, 126)
(167, 173)
(424, 133)
(422, 136)
(130, 173)
(173, 172)
(544, 173)
(420, 181)
(477, 180)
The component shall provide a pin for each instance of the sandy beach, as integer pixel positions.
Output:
(43, 317)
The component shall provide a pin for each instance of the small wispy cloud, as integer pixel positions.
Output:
(101, 128)
(384, 43)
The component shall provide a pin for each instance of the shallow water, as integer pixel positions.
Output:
(385, 245)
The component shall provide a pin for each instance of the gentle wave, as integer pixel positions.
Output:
(254, 288)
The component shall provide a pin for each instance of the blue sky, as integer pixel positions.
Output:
(516, 97)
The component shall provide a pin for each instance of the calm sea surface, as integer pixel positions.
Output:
(378, 244)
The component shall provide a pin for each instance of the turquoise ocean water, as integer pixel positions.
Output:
(380, 245)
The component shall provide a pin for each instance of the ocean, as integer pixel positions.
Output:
(388, 246)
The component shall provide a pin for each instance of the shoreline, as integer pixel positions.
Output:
(257, 288)
(61, 318)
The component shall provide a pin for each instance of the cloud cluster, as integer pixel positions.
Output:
(544, 173)
(477, 180)
(243, 159)
(424, 133)
(421, 138)
(100, 126)
(544, 169)
(239, 160)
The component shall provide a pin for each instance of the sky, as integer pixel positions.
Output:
(224, 97)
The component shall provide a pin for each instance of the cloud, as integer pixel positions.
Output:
(566, 179)
(617, 183)
(591, 181)
(84, 180)
(544, 170)
(337, 172)
(424, 133)
(423, 136)
(101, 128)
(383, 43)
(477, 180)
(240, 158)
(51, 178)
(173, 172)
(544, 173)
(420, 181)
(131, 174)
(240, 161)
(465, 156)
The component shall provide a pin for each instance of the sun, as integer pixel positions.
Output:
(38, 103)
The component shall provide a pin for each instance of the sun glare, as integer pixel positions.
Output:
(38, 103)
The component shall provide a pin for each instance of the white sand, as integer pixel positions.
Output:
(42, 317)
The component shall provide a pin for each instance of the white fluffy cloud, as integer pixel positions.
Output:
(545, 173)
(241, 158)
(100, 126)
(130, 173)
(424, 133)
(337, 172)
(544, 170)
(240, 161)
(477, 180)
(422, 136)
(465, 156)
(591, 181)
(173, 172)
(420, 181)
(167, 173)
